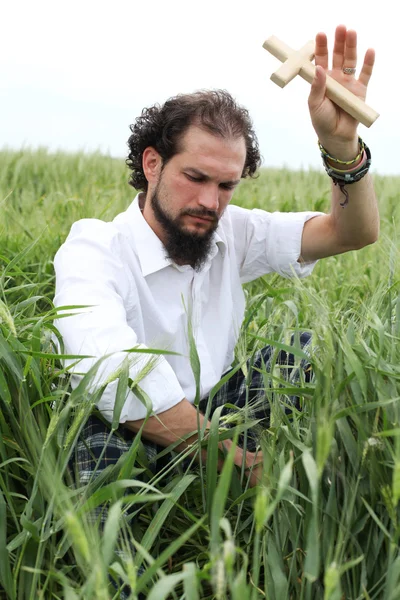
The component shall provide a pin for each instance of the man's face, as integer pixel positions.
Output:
(191, 193)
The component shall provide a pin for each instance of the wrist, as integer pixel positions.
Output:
(346, 173)
(341, 152)
(238, 456)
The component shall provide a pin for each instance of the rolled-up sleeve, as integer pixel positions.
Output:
(90, 272)
(270, 242)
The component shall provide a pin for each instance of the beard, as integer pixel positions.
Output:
(182, 246)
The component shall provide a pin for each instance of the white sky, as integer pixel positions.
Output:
(74, 75)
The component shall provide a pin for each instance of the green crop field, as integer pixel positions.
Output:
(324, 523)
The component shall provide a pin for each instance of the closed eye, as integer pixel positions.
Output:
(225, 186)
(195, 179)
(228, 186)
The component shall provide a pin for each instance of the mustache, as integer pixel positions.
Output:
(205, 214)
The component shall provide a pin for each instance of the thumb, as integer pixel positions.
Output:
(317, 93)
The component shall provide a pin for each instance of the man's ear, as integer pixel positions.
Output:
(151, 163)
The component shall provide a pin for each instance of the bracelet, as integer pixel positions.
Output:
(358, 166)
(342, 178)
(325, 154)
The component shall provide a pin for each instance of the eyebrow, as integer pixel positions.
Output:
(208, 178)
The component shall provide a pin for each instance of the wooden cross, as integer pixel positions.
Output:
(299, 63)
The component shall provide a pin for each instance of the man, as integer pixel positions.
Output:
(180, 253)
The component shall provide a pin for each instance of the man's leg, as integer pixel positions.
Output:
(96, 450)
(249, 393)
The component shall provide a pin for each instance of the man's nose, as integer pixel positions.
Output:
(209, 197)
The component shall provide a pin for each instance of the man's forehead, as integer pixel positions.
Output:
(200, 149)
(196, 135)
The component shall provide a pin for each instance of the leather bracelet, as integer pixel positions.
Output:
(325, 154)
(342, 178)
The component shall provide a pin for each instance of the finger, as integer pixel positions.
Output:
(321, 50)
(317, 93)
(367, 67)
(339, 47)
(350, 52)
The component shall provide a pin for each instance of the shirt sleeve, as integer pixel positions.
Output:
(89, 271)
(269, 242)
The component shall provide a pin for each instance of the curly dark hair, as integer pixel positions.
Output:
(162, 127)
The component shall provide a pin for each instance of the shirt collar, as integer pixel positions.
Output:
(150, 249)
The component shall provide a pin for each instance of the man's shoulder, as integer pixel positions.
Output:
(91, 235)
(233, 214)
(96, 229)
(234, 209)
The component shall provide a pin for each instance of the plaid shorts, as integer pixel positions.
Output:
(248, 392)
(97, 449)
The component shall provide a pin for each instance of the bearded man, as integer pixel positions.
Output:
(175, 261)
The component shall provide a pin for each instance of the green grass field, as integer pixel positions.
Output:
(324, 524)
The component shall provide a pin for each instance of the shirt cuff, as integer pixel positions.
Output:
(161, 386)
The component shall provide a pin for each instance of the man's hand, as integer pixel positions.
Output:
(254, 467)
(175, 425)
(253, 462)
(336, 129)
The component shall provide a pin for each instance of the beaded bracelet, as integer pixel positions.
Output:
(354, 169)
(342, 178)
(325, 154)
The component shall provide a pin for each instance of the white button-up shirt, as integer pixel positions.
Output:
(140, 298)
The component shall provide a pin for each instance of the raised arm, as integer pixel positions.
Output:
(353, 221)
